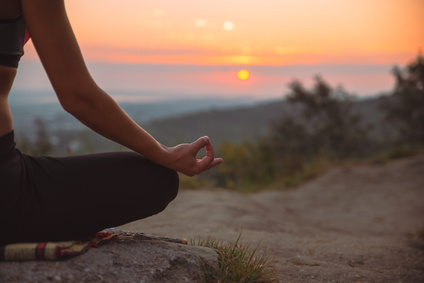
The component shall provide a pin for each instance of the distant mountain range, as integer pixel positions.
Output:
(26, 106)
(179, 121)
(247, 123)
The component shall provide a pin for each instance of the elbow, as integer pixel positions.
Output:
(80, 102)
(70, 105)
(73, 104)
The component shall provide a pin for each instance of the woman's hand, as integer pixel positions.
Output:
(183, 157)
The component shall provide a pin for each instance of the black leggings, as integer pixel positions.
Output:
(69, 198)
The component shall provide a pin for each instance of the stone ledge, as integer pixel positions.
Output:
(131, 257)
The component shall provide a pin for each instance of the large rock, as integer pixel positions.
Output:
(131, 257)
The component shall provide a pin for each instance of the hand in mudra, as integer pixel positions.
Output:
(183, 157)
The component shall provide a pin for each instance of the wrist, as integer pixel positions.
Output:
(157, 153)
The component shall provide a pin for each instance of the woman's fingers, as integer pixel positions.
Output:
(200, 143)
(215, 162)
(209, 149)
(208, 161)
(189, 164)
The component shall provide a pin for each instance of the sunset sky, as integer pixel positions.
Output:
(198, 47)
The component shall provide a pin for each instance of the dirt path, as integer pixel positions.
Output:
(351, 225)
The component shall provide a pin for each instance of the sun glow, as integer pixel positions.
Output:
(243, 75)
(228, 26)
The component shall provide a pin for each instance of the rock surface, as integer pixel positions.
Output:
(353, 224)
(132, 257)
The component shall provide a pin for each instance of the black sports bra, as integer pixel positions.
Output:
(13, 36)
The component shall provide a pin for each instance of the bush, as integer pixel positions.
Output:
(405, 107)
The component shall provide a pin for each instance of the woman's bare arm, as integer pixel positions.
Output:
(61, 57)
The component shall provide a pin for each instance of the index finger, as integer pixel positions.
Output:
(206, 160)
(209, 149)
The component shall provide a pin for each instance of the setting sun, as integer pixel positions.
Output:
(243, 75)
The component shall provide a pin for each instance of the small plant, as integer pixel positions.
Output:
(238, 263)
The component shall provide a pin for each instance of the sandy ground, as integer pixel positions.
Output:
(355, 224)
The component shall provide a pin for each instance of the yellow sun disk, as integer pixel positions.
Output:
(243, 75)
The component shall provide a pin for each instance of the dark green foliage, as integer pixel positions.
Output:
(246, 164)
(405, 108)
(327, 123)
(319, 129)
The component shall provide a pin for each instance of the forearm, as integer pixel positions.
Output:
(102, 114)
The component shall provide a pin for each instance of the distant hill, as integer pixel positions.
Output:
(237, 124)
(26, 106)
(245, 123)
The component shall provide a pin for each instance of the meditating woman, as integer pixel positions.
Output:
(68, 198)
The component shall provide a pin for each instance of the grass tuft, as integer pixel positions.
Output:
(238, 263)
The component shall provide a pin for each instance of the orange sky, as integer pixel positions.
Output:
(248, 32)
(240, 34)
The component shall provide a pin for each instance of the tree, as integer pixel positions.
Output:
(405, 107)
(325, 123)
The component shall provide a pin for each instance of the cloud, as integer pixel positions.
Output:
(150, 51)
